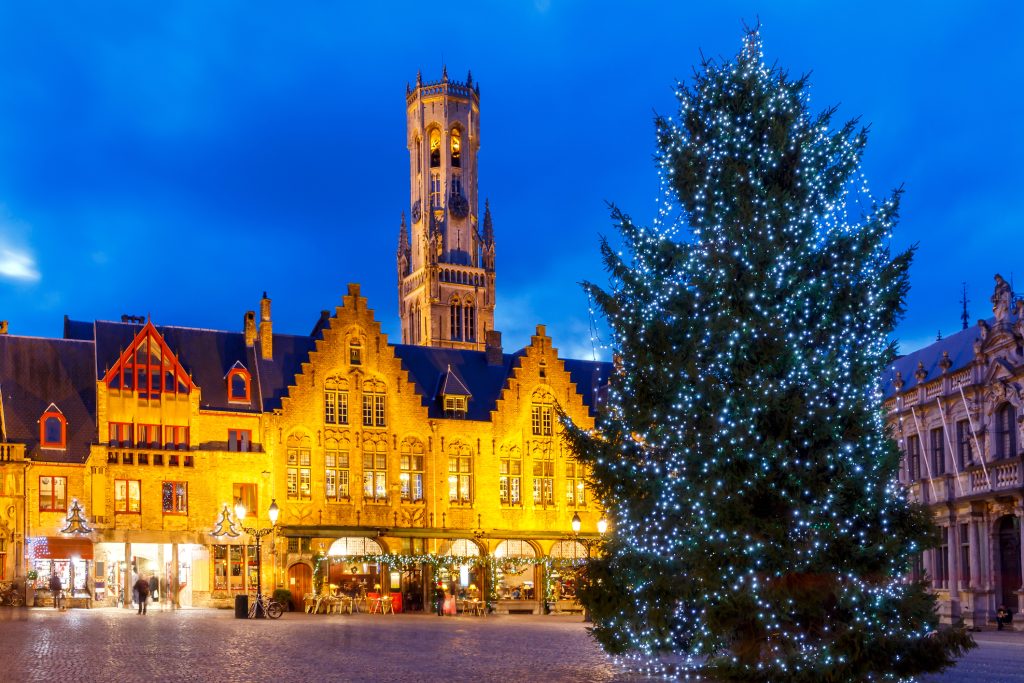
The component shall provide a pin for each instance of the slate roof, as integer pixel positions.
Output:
(961, 352)
(208, 355)
(36, 372)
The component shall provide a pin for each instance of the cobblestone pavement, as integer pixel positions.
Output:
(211, 645)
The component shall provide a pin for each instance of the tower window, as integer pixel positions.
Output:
(238, 384)
(355, 353)
(435, 189)
(435, 148)
(456, 136)
(456, 321)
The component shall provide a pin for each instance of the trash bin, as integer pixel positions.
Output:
(241, 606)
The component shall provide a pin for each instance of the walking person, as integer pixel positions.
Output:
(1003, 617)
(142, 588)
(55, 589)
(154, 584)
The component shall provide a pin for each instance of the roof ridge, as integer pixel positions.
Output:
(56, 339)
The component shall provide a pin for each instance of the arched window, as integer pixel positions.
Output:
(417, 329)
(435, 148)
(1006, 437)
(355, 352)
(419, 156)
(456, 136)
(469, 317)
(456, 320)
(52, 428)
(238, 384)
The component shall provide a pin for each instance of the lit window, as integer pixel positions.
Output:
(246, 494)
(355, 353)
(176, 437)
(238, 385)
(540, 419)
(456, 143)
(148, 436)
(543, 477)
(373, 409)
(412, 470)
(375, 472)
(53, 494)
(455, 406)
(575, 488)
(52, 429)
(435, 189)
(175, 498)
(120, 434)
(336, 467)
(148, 367)
(298, 469)
(127, 495)
(460, 473)
(435, 148)
(510, 481)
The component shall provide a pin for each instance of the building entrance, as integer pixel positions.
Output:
(1009, 561)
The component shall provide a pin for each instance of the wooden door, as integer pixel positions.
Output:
(300, 582)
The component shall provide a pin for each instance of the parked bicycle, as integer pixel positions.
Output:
(10, 595)
(270, 608)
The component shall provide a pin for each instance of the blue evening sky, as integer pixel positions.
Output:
(177, 159)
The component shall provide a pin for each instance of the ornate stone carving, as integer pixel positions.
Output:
(1001, 298)
(458, 205)
(920, 373)
(946, 363)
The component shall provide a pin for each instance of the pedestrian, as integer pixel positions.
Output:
(55, 588)
(154, 584)
(1003, 617)
(142, 588)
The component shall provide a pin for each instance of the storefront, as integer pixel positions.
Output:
(517, 578)
(71, 559)
(119, 565)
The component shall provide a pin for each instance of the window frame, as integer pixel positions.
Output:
(235, 440)
(179, 499)
(55, 504)
(123, 505)
(247, 385)
(61, 421)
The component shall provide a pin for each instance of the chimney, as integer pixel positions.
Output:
(3, 327)
(266, 330)
(249, 326)
(492, 347)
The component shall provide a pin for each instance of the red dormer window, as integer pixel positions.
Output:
(53, 428)
(238, 384)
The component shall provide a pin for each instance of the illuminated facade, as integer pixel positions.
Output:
(956, 408)
(443, 445)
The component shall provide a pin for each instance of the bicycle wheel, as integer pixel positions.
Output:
(274, 610)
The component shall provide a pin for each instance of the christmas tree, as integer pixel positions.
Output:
(759, 531)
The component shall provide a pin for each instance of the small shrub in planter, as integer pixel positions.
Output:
(283, 596)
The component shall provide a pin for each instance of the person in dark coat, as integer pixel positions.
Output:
(154, 583)
(55, 588)
(142, 587)
(1003, 617)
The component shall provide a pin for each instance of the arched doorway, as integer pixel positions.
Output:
(300, 582)
(1009, 561)
(517, 580)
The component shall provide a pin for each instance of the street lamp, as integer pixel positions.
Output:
(576, 522)
(258, 535)
(602, 525)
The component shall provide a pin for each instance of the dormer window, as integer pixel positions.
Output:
(456, 137)
(239, 384)
(355, 353)
(53, 428)
(455, 406)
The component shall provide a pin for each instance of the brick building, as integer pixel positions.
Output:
(441, 445)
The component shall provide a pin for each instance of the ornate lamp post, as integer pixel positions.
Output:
(258, 535)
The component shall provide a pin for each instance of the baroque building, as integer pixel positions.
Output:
(126, 444)
(956, 408)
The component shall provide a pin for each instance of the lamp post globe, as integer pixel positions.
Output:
(602, 525)
(240, 511)
(576, 523)
(273, 511)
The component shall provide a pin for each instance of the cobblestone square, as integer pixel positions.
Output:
(211, 645)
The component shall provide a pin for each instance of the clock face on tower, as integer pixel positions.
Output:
(416, 211)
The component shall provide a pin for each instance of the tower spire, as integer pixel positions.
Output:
(488, 226)
(964, 318)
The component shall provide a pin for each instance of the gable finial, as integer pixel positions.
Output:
(964, 317)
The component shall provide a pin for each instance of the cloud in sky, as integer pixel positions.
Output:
(17, 262)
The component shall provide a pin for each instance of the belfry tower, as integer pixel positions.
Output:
(445, 259)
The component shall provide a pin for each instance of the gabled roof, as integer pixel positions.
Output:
(276, 374)
(591, 380)
(451, 385)
(36, 372)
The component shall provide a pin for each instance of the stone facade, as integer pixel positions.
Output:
(956, 409)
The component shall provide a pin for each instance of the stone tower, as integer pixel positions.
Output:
(445, 258)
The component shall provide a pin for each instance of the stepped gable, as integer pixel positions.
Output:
(277, 374)
(36, 372)
(591, 380)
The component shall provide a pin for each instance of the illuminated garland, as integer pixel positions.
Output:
(760, 533)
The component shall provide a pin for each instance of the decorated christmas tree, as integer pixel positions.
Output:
(759, 530)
